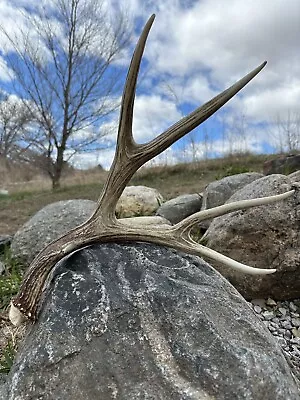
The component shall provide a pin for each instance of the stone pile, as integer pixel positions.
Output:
(282, 318)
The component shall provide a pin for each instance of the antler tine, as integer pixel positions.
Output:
(188, 223)
(123, 166)
(126, 114)
(196, 117)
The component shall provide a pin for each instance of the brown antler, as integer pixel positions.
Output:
(103, 226)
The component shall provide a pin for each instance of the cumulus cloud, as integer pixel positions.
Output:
(152, 115)
(198, 48)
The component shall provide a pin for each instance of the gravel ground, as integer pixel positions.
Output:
(282, 318)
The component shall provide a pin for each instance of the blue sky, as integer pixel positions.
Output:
(195, 50)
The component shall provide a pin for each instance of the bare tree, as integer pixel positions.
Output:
(285, 132)
(60, 68)
(14, 121)
(235, 133)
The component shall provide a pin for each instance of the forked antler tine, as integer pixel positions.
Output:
(182, 231)
(126, 114)
(196, 117)
(129, 156)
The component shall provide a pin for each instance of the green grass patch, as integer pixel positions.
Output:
(7, 358)
(232, 170)
(16, 196)
(10, 280)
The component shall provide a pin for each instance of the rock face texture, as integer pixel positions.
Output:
(285, 164)
(295, 176)
(3, 391)
(140, 322)
(47, 225)
(218, 192)
(138, 200)
(264, 237)
(5, 241)
(180, 207)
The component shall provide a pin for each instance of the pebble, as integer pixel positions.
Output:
(259, 302)
(271, 302)
(295, 322)
(282, 318)
(282, 310)
(268, 315)
(257, 309)
(293, 307)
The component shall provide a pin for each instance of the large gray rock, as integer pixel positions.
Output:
(140, 322)
(295, 176)
(218, 192)
(138, 200)
(3, 388)
(180, 207)
(47, 225)
(264, 237)
(5, 241)
(283, 164)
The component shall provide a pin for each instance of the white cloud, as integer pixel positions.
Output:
(5, 72)
(90, 159)
(198, 48)
(152, 115)
(213, 43)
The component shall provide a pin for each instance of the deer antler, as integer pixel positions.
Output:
(103, 226)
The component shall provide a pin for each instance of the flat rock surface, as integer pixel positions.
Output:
(141, 321)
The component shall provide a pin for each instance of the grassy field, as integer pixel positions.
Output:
(26, 199)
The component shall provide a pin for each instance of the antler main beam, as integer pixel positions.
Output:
(103, 226)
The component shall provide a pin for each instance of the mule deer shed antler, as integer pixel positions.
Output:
(103, 226)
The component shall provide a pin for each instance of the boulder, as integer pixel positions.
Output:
(295, 176)
(284, 164)
(264, 237)
(5, 241)
(47, 225)
(138, 200)
(138, 321)
(218, 192)
(3, 389)
(180, 207)
(56, 219)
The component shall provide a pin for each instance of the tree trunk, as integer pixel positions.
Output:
(58, 168)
